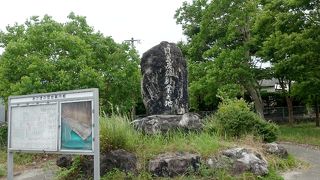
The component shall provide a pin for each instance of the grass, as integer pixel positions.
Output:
(117, 132)
(21, 161)
(304, 133)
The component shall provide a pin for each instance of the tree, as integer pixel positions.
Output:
(289, 30)
(43, 55)
(220, 32)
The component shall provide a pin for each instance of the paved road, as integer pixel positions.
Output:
(306, 154)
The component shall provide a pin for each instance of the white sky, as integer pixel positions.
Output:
(150, 21)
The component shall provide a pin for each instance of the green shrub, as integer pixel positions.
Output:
(234, 118)
(267, 131)
(116, 132)
(3, 135)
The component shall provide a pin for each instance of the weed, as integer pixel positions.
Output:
(116, 132)
(304, 133)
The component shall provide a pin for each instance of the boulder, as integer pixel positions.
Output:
(116, 159)
(174, 164)
(276, 149)
(220, 162)
(246, 160)
(164, 83)
(120, 159)
(163, 123)
(64, 161)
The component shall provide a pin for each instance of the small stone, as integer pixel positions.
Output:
(276, 149)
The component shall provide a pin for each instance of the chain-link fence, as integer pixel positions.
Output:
(280, 114)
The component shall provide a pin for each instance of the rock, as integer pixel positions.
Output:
(220, 162)
(173, 164)
(246, 160)
(163, 123)
(120, 159)
(117, 159)
(276, 149)
(191, 121)
(64, 161)
(164, 80)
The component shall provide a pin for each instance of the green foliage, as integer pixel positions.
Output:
(289, 32)
(24, 158)
(202, 88)
(116, 174)
(43, 55)
(268, 131)
(116, 132)
(220, 37)
(282, 164)
(273, 174)
(3, 135)
(3, 171)
(235, 119)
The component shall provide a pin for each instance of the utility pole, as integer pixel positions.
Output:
(132, 41)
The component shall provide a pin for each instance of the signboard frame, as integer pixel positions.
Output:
(59, 98)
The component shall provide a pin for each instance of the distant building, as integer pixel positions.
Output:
(2, 111)
(271, 85)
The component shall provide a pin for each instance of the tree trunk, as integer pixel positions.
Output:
(256, 97)
(317, 112)
(289, 99)
(290, 110)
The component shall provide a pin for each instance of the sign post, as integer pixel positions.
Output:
(62, 122)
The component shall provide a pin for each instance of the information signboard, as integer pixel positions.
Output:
(34, 127)
(61, 122)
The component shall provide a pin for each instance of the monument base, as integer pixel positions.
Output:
(156, 124)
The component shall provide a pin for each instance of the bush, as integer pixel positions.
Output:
(235, 119)
(116, 132)
(3, 135)
(267, 131)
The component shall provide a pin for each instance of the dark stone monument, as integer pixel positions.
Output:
(165, 91)
(164, 80)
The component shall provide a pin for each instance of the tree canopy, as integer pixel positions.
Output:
(289, 31)
(43, 55)
(220, 32)
(227, 38)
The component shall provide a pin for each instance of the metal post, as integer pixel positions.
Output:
(10, 165)
(96, 158)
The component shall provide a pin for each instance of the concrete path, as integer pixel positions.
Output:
(35, 174)
(307, 154)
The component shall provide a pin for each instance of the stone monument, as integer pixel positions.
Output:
(164, 80)
(164, 89)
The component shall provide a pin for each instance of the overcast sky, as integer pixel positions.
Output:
(150, 21)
